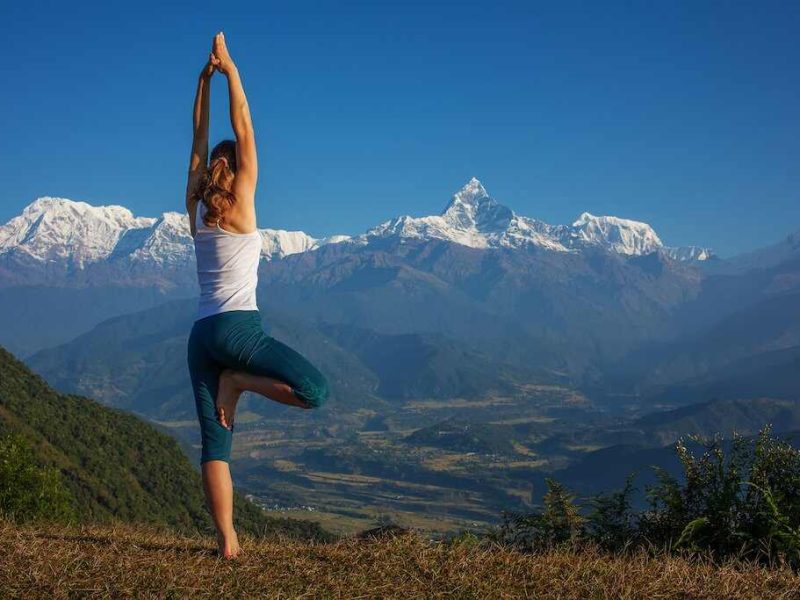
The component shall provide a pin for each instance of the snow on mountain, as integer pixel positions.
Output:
(279, 243)
(53, 229)
(473, 218)
(167, 240)
(472, 209)
(620, 235)
(76, 233)
(688, 253)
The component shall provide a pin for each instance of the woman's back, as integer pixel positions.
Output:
(227, 267)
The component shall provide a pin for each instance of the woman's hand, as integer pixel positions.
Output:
(208, 69)
(220, 57)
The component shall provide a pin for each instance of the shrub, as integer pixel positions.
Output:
(611, 524)
(737, 498)
(29, 491)
(558, 524)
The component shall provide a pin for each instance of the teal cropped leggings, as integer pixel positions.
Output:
(236, 340)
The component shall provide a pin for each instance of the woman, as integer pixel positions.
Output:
(228, 351)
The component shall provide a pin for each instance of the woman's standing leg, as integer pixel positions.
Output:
(218, 488)
(216, 443)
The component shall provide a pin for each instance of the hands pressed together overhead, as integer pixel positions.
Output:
(219, 59)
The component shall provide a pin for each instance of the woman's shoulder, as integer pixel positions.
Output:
(242, 214)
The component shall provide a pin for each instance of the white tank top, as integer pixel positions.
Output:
(227, 267)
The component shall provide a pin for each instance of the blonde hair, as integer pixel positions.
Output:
(216, 188)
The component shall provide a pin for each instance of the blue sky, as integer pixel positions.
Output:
(682, 114)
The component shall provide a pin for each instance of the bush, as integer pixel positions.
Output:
(28, 491)
(558, 524)
(738, 498)
(612, 524)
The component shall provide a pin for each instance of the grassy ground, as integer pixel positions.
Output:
(125, 561)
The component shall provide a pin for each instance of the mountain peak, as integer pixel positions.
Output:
(471, 192)
(472, 208)
(51, 228)
(45, 203)
(471, 195)
(622, 235)
(54, 204)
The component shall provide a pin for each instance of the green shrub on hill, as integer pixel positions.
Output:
(29, 492)
(735, 499)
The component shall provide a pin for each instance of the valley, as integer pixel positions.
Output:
(414, 464)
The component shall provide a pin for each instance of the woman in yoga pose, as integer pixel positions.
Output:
(228, 351)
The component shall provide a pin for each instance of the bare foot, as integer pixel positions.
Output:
(228, 547)
(227, 397)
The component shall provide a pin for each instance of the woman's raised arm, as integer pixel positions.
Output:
(246, 160)
(199, 155)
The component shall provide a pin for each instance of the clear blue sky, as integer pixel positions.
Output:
(682, 114)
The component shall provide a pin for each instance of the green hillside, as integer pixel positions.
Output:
(114, 465)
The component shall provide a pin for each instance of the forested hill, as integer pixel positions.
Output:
(114, 465)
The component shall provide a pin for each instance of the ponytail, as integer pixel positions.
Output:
(216, 191)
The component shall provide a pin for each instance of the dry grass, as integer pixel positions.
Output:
(125, 561)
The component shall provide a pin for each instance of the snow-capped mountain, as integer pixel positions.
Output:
(166, 240)
(473, 218)
(620, 235)
(56, 229)
(77, 234)
(69, 234)
(279, 243)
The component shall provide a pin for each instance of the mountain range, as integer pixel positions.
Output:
(59, 236)
(565, 301)
(65, 266)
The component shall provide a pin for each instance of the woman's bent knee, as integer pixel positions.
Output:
(314, 396)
